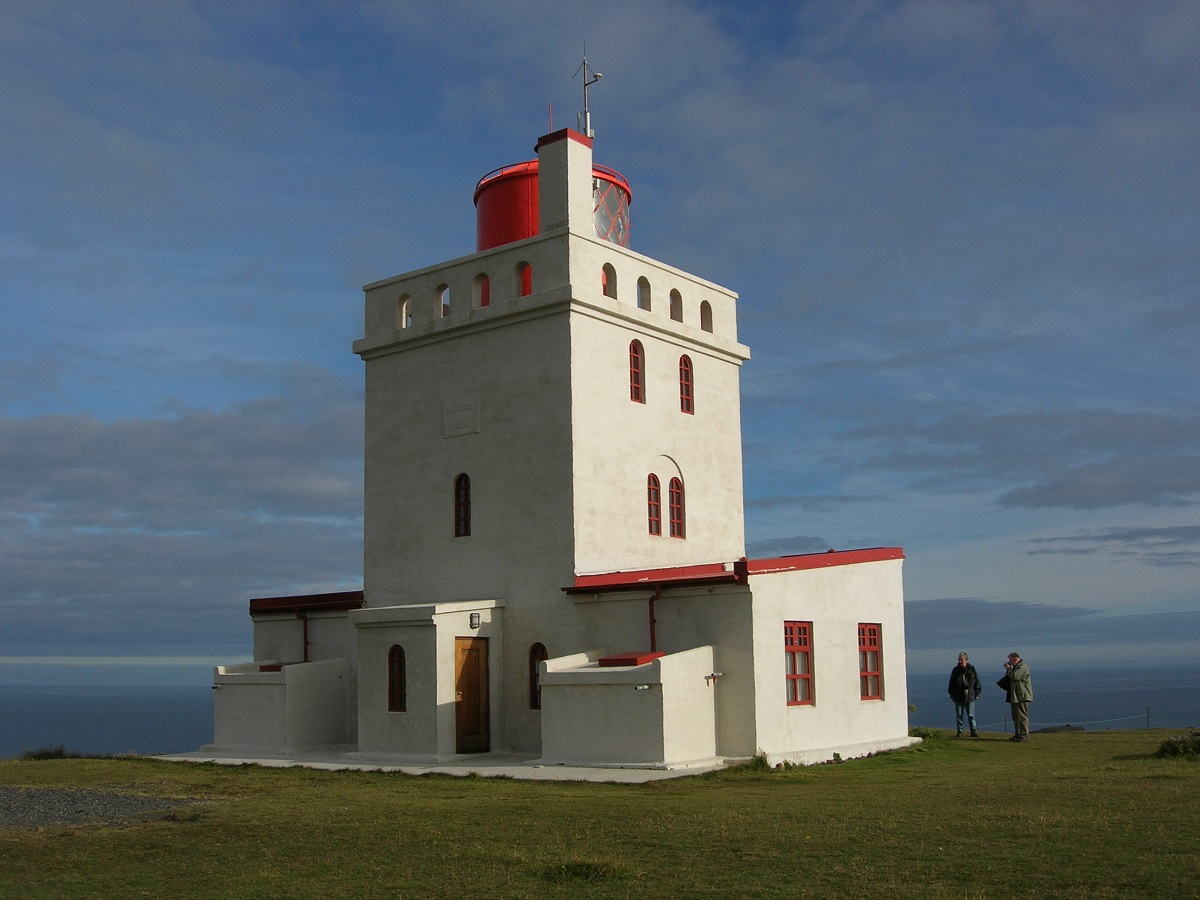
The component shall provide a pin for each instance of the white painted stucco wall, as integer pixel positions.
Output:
(656, 715)
(835, 600)
(425, 730)
(302, 706)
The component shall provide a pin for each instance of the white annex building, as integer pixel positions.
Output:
(554, 556)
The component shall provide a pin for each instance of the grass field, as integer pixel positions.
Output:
(1076, 814)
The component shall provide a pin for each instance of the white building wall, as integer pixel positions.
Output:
(426, 728)
(835, 599)
(413, 732)
(619, 442)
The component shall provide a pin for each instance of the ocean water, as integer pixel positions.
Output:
(149, 720)
(104, 719)
(1097, 699)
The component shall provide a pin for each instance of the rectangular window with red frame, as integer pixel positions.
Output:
(870, 661)
(798, 668)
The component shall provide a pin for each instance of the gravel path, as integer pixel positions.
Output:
(40, 807)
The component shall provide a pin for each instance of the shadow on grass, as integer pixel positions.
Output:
(583, 871)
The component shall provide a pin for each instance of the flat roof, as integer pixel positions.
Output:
(736, 572)
(309, 602)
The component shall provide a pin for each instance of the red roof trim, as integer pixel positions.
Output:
(608, 581)
(823, 560)
(309, 602)
(737, 572)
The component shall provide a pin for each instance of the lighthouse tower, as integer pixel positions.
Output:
(552, 405)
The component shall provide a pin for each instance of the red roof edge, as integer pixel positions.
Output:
(822, 560)
(309, 602)
(736, 572)
(709, 573)
(563, 134)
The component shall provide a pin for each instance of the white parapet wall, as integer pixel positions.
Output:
(658, 715)
(299, 706)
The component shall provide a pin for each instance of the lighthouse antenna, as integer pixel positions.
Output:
(590, 77)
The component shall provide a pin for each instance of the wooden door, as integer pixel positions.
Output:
(471, 695)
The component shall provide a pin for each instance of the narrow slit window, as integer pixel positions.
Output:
(397, 680)
(537, 656)
(637, 372)
(462, 506)
(653, 504)
(686, 399)
(675, 507)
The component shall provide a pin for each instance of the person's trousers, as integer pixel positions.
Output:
(965, 709)
(1020, 717)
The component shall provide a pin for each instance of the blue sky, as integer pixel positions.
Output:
(965, 235)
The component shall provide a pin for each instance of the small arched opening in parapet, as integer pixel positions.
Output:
(483, 290)
(523, 284)
(676, 306)
(608, 281)
(643, 294)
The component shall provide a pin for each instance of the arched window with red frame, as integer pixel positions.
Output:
(686, 397)
(637, 372)
(675, 507)
(653, 504)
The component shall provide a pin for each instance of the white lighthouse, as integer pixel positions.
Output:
(554, 555)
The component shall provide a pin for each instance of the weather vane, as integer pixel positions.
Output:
(590, 77)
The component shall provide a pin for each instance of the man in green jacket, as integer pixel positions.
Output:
(1020, 695)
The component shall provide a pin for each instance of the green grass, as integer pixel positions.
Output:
(1091, 814)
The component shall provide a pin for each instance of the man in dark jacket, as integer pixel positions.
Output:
(964, 690)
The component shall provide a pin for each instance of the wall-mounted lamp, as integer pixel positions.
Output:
(474, 620)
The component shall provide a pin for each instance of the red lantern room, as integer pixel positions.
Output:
(506, 205)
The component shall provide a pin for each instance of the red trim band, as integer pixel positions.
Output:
(737, 572)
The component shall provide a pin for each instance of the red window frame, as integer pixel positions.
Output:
(675, 509)
(397, 680)
(637, 372)
(653, 504)
(462, 505)
(798, 668)
(537, 655)
(686, 400)
(870, 660)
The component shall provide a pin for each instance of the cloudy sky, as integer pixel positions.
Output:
(966, 237)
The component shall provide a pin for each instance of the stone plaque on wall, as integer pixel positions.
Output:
(460, 415)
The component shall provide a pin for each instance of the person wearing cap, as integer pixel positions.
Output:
(1019, 690)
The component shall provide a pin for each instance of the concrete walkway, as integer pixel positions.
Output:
(486, 765)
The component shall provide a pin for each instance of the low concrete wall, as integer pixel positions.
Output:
(300, 706)
(657, 715)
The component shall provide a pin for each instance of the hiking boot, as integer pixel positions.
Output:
(974, 733)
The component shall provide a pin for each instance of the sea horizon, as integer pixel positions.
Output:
(110, 719)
